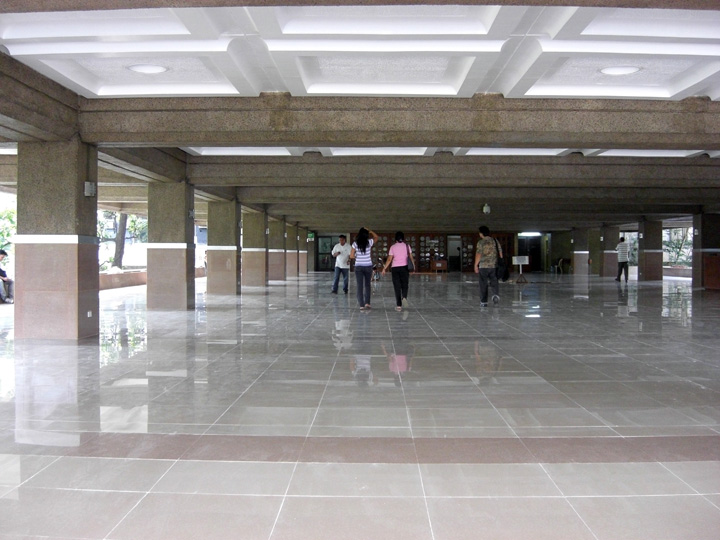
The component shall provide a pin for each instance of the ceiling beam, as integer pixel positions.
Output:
(21, 6)
(483, 120)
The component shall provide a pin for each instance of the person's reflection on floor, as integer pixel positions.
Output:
(361, 368)
(398, 362)
(487, 363)
(361, 361)
(342, 334)
(623, 311)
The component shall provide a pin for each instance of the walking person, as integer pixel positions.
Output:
(623, 251)
(399, 256)
(362, 253)
(487, 252)
(341, 252)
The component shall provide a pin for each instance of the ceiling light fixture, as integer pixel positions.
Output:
(486, 209)
(619, 70)
(149, 69)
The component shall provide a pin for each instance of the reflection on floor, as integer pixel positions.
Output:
(576, 409)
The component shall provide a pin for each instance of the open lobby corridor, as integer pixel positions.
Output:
(578, 408)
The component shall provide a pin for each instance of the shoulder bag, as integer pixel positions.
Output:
(501, 269)
(411, 266)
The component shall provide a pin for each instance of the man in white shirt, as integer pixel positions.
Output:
(341, 252)
(623, 251)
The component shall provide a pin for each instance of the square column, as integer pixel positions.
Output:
(650, 251)
(302, 251)
(311, 250)
(276, 250)
(291, 251)
(706, 251)
(223, 255)
(581, 251)
(171, 247)
(254, 249)
(609, 238)
(57, 278)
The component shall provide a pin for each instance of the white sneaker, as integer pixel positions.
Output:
(404, 303)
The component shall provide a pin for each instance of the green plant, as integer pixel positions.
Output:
(678, 244)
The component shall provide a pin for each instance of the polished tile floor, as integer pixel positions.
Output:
(576, 409)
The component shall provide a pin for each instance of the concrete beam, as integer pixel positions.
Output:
(32, 107)
(517, 171)
(483, 120)
(21, 6)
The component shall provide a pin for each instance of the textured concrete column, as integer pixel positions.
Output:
(594, 246)
(223, 255)
(302, 251)
(56, 256)
(609, 238)
(254, 249)
(311, 250)
(291, 251)
(276, 250)
(650, 251)
(706, 251)
(171, 247)
(581, 251)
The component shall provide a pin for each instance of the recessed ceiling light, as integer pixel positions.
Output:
(620, 70)
(148, 68)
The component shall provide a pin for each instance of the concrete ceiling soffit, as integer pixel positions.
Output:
(149, 164)
(8, 170)
(443, 171)
(32, 107)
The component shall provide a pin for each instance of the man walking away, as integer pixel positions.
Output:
(623, 251)
(486, 254)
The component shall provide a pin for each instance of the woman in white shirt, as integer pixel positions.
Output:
(362, 253)
(398, 256)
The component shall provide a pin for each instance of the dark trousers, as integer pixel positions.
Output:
(363, 275)
(622, 267)
(401, 279)
(488, 276)
(336, 279)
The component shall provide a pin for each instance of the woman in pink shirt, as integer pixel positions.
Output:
(399, 255)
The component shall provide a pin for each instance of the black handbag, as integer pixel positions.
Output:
(411, 266)
(501, 268)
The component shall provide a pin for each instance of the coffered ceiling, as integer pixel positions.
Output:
(393, 116)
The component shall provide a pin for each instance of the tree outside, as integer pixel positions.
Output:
(678, 246)
(115, 230)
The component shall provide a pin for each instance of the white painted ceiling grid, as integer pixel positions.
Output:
(447, 51)
(453, 51)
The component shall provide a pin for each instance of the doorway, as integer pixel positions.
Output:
(454, 253)
(531, 246)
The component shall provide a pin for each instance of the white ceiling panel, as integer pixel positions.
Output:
(433, 50)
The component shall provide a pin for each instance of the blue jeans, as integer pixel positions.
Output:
(345, 273)
(488, 277)
(363, 275)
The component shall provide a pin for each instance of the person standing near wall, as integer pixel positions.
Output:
(623, 251)
(341, 252)
(7, 286)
